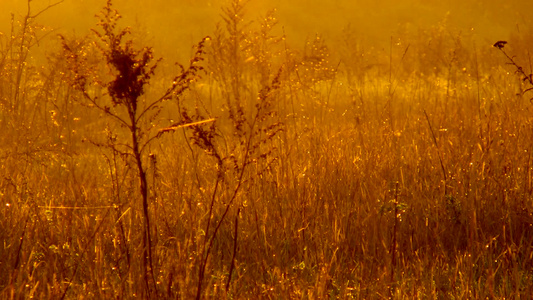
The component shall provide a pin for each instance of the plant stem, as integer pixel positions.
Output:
(232, 266)
(438, 151)
(393, 245)
(147, 239)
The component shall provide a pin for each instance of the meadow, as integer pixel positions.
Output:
(263, 170)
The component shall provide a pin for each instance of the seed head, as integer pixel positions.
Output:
(499, 44)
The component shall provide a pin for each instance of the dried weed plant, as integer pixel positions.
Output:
(130, 72)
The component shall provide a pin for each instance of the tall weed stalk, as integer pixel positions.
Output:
(124, 103)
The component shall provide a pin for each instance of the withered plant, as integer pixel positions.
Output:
(130, 70)
(525, 77)
(241, 141)
(251, 146)
(30, 141)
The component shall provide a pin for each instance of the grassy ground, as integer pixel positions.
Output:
(329, 171)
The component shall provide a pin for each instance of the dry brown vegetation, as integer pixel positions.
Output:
(258, 170)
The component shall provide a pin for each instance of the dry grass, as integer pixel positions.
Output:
(402, 175)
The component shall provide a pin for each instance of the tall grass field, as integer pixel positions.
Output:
(261, 169)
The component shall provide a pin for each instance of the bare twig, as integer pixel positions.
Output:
(438, 152)
(525, 77)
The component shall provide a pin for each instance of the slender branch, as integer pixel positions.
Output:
(167, 95)
(230, 202)
(438, 151)
(203, 263)
(182, 82)
(105, 110)
(394, 238)
(44, 9)
(173, 128)
(236, 233)
(526, 77)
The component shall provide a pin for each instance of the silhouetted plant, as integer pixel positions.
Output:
(249, 148)
(527, 78)
(246, 139)
(132, 70)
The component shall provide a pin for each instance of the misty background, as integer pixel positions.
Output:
(172, 27)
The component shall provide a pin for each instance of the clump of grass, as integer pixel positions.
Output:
(32, 145)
